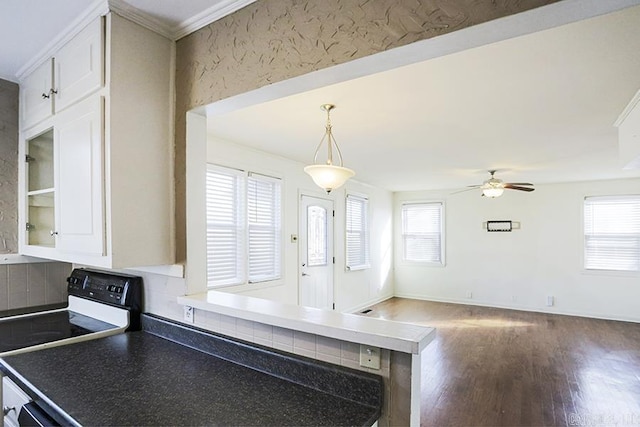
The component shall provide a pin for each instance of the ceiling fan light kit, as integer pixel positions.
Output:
(326, 175)
(492, 192)
(494, 187)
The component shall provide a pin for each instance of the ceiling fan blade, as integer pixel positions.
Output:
(518, 183)
(515, 187)
(473, 187)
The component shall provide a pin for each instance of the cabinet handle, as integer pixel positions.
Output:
(6, 410)
(46, 96)
(53, 233)
(53, 91)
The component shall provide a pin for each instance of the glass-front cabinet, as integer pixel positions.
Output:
(40, 224)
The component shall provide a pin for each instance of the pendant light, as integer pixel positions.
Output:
(326, 175)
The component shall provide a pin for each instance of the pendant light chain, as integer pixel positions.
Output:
(329, 136)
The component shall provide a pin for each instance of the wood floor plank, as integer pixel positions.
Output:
(497, 367)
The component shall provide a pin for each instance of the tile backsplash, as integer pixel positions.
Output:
(29, 285)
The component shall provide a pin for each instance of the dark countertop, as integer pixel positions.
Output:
(139, 378)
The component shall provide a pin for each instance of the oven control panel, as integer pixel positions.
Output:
(115, 289)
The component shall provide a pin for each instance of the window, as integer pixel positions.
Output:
(612, 233)
(316, 236)
(243, 227)
(357, 232)
(422, 232)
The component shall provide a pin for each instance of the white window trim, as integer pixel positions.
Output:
(367, 233)
(583, 261)
(247, 285)
(400, 253)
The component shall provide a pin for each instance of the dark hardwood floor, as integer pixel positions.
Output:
(496, 367)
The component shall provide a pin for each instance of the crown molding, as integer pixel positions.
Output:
(96, 8)
(214, 13)
(133, 14)
(102, 7)
(186, 27)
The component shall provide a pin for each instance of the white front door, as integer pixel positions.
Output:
(316, 252)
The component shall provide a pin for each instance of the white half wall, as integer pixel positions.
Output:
(352, 289)
(522, 268)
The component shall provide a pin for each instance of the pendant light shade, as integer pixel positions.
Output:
(325, 174)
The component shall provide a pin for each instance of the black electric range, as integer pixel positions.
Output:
(99, 304)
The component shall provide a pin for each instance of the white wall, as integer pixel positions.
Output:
(352, 289)
(520, 269)
(361, 288)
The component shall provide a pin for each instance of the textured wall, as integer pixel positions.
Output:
(8, 167)
(274, 40)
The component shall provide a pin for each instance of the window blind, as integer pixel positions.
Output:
(422, 232)
(244, 236)
(225, 226)
(263, 214)
(612, 233)
(357, 232)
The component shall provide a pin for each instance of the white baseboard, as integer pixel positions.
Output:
(601, 316)
(368, 304)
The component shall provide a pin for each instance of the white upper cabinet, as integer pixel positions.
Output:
(96, 184)
(35, 95)
(75, 71)
(79, 66)
(79, 202)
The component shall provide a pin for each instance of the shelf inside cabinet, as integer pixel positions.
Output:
(42, 192)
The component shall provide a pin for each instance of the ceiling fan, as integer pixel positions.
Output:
(494, 187)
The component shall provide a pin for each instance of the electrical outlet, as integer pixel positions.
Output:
(469, 294)
(369, 357)
(550, 301)
(188, 314)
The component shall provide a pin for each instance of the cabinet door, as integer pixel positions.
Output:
(79, 171)
(12, 400)
(79, 66)
(35, 95)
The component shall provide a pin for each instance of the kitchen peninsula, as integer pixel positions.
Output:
(330, 336)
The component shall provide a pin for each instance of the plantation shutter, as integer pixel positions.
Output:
(357, 232)
(422, 232)
(225, 226)
(612, 233)
(263, 216)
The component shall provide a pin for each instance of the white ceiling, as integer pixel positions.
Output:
(539, 107)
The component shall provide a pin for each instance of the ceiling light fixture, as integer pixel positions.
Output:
(327, 175)
(492, 192)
